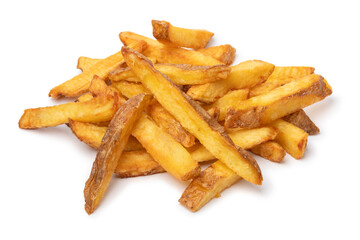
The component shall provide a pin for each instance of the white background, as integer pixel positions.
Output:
(43, 172)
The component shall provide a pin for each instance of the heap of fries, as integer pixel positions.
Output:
(157, 107)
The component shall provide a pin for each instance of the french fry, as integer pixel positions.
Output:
(98, 109)
(269, 150)
(193, 118)
(165, 150)
(291, 138)
(244, 75)
(279, 77)
(85, 97)
(130, 89)
(302, 120)
(111, 148)
(92, 135)
(281, 101)
(223, 53)
(80, 83)
(85, 63)
(180, 37)
(166, 54)
(181, 74)
(137, 163)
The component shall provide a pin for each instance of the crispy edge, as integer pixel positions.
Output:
(270, 150)
(303, 121)
(223, 53)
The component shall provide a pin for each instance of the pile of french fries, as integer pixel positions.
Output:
(158, 106)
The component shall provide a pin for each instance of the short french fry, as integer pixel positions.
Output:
(111, 148)
(223, 53)
(279, 77)
(291, 138)
(281, 101)
(170, 154)
(244, 75)
(166, 54)
(269, 150)
(92, 134)
(193, 118)
(181, 74)
(80, 83)
(180, 37)
(302, 120)
(137, 163)
(130, 89)
(98, 109)
(85, 63)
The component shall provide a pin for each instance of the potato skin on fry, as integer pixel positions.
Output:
(270, 150)
(111, 148)
(303, 121)
(223, 53)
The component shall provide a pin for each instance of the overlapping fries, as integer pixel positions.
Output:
(157, 107)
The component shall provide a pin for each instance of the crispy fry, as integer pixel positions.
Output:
(130, 89)
(291, 97)
(181, 74)
(270, 150)
(98, 109)
(279, 77)
(166, 54)
(193, 118)
(137, 163)
(244, 75)
(223, 53)
(80, 83)
(302, 120)
(165, 150)
(85, 63)
(85, 97)
(111, 148)
(180, 37)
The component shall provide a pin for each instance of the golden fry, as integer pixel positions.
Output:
(85, 63)
(302, 120)
(269, 150)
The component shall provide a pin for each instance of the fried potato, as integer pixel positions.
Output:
(98, 109)
(244, 75)
(80, 83)
(111, 148)
(193, 118)
(291, 138)
(166, 54)
(170, 154)
(220, 107)
(85, 63)
(130, 89)
(279, 77)
(181, 74)
(137, 163)
(180, 37)
(92, 134)
(302, 120)
(269, 150)
(85, 97)
(284, 100)
(223, 53)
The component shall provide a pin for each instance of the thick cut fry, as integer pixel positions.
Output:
(111, 148)
(223, 53)
(181, 74)
(302, 120)
(80, 83)
(130, 89)
(244, 75)
(180, 37)
(279, 77)
(98, 109)
(166, 54)
(211, 182)
(291, 138)
(85, 63)
(270, 150)
(92, 135)
(230, 99)
(291, 97)
(166, 150)
(193, 118)
(137, 163)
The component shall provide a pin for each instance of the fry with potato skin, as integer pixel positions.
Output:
(223, 53)
(180, 37)
(193, 118)
(85, 63)
(270, 150)
(263, 109)
(111, 148)
(303, 121)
